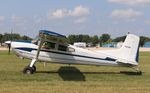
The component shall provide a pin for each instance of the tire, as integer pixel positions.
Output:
(34, 68)
(139, 73)
(28, 70)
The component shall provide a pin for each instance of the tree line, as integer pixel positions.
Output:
(104, 38)
(94, 40)
(14, 36)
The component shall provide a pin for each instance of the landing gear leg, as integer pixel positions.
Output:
(138, 71)
(30, 69)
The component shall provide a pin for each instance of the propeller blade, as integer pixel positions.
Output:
(9, 44)
(9, 47)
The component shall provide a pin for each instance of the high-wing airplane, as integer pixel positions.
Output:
(53, 47)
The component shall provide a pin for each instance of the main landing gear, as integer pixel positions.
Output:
(30, 69)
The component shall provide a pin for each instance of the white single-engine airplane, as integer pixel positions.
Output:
(53, 47)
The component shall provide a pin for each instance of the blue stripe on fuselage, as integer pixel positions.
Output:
(23, 41)
(30, 49)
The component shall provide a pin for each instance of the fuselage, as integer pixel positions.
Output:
(73, 56)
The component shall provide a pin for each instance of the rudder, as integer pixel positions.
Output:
(130, 49)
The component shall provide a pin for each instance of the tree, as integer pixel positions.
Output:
(143, 40)
(86, 38)
(1, 36)
(79, 38)
(72, 39)
(26, 38)
(7, 37)
(95, 40)
(119, 39)
(104, 38)
(13, 36)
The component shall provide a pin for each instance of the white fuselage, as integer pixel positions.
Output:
(79, 56)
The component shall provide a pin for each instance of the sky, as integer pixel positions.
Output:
(92, 17)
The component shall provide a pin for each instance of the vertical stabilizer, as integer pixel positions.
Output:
(128, 53)
(130, 48)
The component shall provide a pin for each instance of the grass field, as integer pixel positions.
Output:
(54, 78)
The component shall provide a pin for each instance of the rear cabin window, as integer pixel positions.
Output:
(62, 48)
(48, 45)
(70, 49)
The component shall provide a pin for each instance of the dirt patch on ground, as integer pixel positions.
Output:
(3, 48)
(145, 49)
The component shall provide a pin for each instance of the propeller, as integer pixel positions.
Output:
(9, 44)
(9, 47)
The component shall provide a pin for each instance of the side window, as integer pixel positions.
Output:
(62, 48)
(70, 49)
(48, 45)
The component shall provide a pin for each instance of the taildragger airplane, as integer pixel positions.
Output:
(52, 47)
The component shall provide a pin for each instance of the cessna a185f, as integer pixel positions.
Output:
(53, 47)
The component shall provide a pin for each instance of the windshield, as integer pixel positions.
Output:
(35, 40)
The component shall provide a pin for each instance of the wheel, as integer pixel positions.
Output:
(34, 68)
(28, 70)
(139, 73)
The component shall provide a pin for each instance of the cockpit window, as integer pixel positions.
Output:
(48, 45)
(70, 49)
(35, 40)
(62, 48)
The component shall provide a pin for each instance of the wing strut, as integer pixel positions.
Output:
(37, 54)
(30, 69)
(44, 36)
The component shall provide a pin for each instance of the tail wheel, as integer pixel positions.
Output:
(28, 70)
(139, 73)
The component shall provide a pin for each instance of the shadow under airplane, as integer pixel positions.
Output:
(69, 73)
(121, 72)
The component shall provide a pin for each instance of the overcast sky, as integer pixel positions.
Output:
(93, 17)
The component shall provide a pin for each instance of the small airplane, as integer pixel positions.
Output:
(53, 47)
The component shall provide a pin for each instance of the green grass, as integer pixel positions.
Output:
(55, 78)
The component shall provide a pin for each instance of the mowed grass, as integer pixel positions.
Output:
(55, 78)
